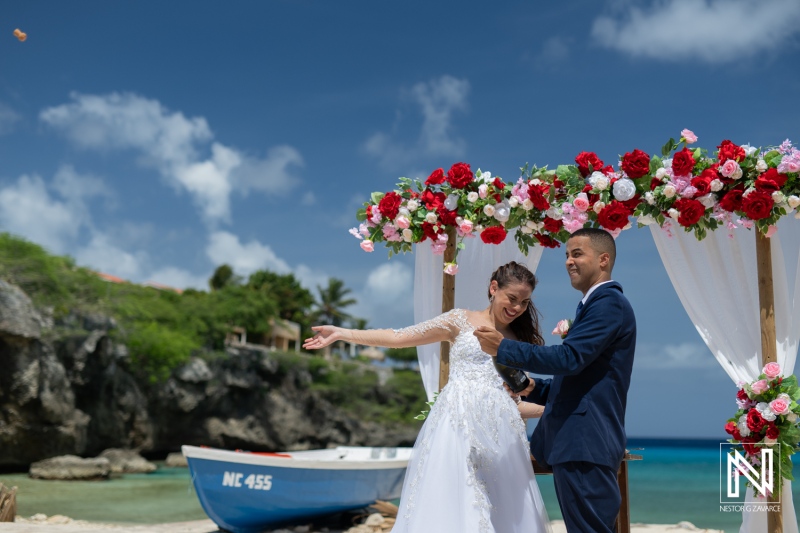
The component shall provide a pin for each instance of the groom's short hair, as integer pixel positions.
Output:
(602, 242)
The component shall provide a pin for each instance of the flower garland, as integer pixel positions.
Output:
(739, 186)
(768, 414)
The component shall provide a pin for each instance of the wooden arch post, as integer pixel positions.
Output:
(448, 304)
(769, 350)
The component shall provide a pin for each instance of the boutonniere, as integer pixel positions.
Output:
(562, 328)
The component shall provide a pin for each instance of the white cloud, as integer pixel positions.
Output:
(30, 208)
(180, 278)
(683, 355)
(386, 300)
(174, 145)
(102, 255)
(714, 31)
(438, 100)
(225, 248)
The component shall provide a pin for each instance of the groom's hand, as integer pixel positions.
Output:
(489, 338)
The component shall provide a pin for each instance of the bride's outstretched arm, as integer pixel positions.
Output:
(438, 329)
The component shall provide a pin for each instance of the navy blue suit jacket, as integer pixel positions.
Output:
(584, 414)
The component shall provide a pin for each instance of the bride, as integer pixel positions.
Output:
(470, 470)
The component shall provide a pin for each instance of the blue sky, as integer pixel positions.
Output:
(156, 140)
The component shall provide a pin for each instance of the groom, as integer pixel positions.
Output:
(582, 432)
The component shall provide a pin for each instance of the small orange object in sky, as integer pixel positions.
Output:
(21, 35)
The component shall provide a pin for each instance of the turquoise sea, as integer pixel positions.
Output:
(677, 480)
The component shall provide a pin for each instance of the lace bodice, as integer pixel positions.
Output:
(467, 360)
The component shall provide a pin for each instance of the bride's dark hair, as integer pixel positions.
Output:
(526, 325)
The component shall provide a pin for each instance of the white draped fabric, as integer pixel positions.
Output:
(717, 283)
(475, 266)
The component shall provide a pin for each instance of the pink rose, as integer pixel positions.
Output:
(451, 269)
(772, 370)
(729, 168)
(367, 245)
(402, 222)
(759, 387)
(466, 226)
(779, 406)
(771, 231)
(689, 136)
(562, 328)
(581, 202)
(483, 189)
(572, 225)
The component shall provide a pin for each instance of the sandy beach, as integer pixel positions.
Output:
(62, 524)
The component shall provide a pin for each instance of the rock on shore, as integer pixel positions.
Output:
(71, 467)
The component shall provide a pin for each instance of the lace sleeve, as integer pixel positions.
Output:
(451, 321)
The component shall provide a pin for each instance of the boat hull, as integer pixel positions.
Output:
(248, 497)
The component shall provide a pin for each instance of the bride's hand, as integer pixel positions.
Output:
(325, 336)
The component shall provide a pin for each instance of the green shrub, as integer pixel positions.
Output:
(156, 350)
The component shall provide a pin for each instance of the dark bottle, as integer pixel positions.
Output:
(517, 379)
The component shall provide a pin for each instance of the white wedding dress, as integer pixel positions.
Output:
(470, 470)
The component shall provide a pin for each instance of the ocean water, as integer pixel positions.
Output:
(676, 480)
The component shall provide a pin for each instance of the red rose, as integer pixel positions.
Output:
(757, 205)
(772, 431)
(498, 183)
(552, 225)
(446, 216)
(770, 181)
(655, 182)
(691, 211)
(433, 200)
(436, 177)
(429, 231)
(459, 175)
(546, 241)
(588, 162)
(636, 164)
(741, 394)
(754, 421)
(728, 150)
(390, 205)
(730, 427)
(557, 183)
(732, 201)
(494, 235)
(632, 204)
(748, 442)
(683, 162)
(614, 216)
(537, 196)
(702, 184)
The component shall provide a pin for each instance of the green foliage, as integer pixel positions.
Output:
(156, 350)
(405, 355)
(332, 302)
(223, 276)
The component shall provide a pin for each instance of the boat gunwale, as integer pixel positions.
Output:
(215, 454)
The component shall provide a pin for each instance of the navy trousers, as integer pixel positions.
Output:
(588, 495)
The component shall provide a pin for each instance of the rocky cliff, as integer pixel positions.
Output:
(66, 387)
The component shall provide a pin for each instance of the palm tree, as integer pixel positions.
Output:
(330, 307)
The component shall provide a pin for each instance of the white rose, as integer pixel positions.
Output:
(761, 165)
(472, 197)
(766, 411)
(794, 201)
(502, 211)
(670, 191)
(598, 181)
(527, 204)
(485, 176)
(778, 197)
(791, 417)
(526, 230)
(646, 220)
(674, 213)
(737, 173)
(451, 202)
(716, 185)
(770, 442)
(459, 220)
(624, 189)
(535, 181)
(749, 150)
(431, 218)
(513, 201)
(412, 205)
(650, 198)
(530, 224)
(742, 424)
(598, 206)
(555, 213)
(661, 172)
(488, 210)
(478, 229)
(708, 201)
(408, 235)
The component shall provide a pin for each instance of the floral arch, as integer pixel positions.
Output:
(693, 200)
